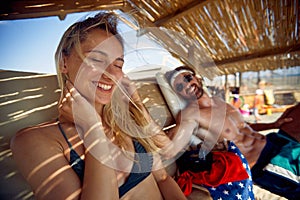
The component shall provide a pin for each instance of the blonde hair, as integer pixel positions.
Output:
(77, 33)
(114, 116)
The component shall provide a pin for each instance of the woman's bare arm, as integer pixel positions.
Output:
(100, 181)
(167, 185)
(43, 164)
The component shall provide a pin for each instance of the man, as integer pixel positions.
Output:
(223, 121)
(226, 167)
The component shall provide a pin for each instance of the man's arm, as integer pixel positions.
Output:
(273, 125)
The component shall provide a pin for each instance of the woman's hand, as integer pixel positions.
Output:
(75, 108)
(130, 89)
(99, 166)
(133, 96)
(90, 128)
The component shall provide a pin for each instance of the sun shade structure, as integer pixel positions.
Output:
(239, 35)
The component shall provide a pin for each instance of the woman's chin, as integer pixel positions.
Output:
(102, 101)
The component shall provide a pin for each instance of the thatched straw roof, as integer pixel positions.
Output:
(239, 35)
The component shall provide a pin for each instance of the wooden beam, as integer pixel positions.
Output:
(179, 13)
(255, 55)
(20, 9)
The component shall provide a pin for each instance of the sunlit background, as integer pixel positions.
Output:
(232, 30)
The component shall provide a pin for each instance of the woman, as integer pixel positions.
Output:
(89, 155)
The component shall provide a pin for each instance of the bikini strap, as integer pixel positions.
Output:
(64, 134)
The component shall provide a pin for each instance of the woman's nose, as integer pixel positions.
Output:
(108, 72)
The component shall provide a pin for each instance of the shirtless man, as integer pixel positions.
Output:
(221, 119)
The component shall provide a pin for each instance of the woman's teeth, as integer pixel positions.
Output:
(104, 86)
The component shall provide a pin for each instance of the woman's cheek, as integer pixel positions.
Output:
(119, 74)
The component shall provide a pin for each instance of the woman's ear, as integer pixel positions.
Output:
(63, 68)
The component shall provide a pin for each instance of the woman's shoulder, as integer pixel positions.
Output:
(38, 129)
(29, 136)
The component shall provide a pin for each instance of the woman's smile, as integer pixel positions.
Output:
(103, 86)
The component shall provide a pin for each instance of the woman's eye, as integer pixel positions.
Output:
(118, 66)
(97, 60)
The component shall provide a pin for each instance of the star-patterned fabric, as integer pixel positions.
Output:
(234, 183)
(237, 190)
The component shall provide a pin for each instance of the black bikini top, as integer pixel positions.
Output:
(141, 168)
